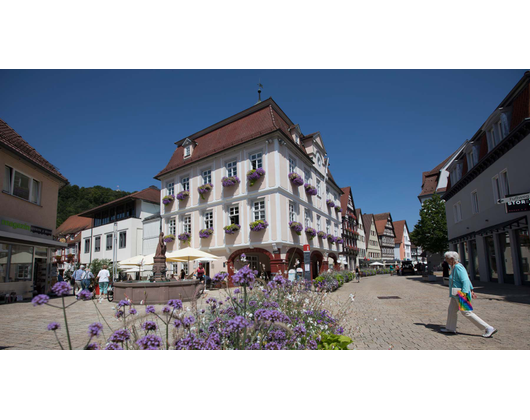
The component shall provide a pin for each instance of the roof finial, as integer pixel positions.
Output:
(259, 91)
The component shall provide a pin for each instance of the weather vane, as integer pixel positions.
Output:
(259, 91)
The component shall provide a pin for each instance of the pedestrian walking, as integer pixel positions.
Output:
(87, 281)
(357, 274)
(182, 274)
(103, 279)
(461, 294)
(79, 276)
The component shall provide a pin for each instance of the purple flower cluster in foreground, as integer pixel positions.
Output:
(94, 329)
(84, 295)
(149, 326)
(219, 277)
(310, 189)
(53, 326)
(296, 179)
(40, 300)
(245, 277)
(62, 288)
(230, 181)
(120, 336)
(150, 342)
(175, 303)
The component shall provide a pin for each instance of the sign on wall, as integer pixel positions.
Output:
(23, 228)
(516, 203)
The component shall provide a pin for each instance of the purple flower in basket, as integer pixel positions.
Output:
(258, 225)
(183, 195)
(310, 190)
(310, 232)
(230, 181)
(168, 199)
(297, 227)
(205, 233)
(169, 238)
(185, 237)
(339, 210)
(231, 229)
(332, 239)
(330, 203)
(254, 174)
(203, 189)
(296, 179)
(339, 240)
(322, 234)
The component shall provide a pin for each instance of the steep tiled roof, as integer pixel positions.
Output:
(380, 226)
(73, 224)
(151, 194)
(381, 216)
(399, 227)
(10, 139)
(344, 199)
(367, 223)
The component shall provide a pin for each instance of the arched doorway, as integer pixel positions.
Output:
(258, 259)
(316, 263)
(335, 265)
(294, 258)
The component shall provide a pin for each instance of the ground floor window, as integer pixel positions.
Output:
(17, 272)
(492, 259)
(473, 249)
(506, 253)
(524, 253)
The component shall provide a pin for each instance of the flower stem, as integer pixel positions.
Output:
(66, 325)
(55, 332)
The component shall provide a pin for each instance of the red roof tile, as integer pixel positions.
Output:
(14, 142)
(399, 227)
(73, 224)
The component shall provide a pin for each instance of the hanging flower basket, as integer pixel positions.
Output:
(231, 229)
(310, 232)
(168, 199)
(258, 225)
(203, 189)
(310, 190)
(205, 233)
(332, 239)
(169, 238)
(183, 195)
(296, 179)
(254, 175)
(185, 237)
(229, 181)
(330, 203)
(339, 240)
(339, 210)
(297, 227)
(322, 234)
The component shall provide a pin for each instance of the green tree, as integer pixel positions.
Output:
(98, 264)
(431, 230)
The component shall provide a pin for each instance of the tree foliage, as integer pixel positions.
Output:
(74, 199)
(431, 230)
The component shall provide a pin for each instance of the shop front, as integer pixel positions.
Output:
(26, 254)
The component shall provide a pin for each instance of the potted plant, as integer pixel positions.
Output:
(339, 240)
(297, 227)
(169, 238)
(258, 225)
(168, 199)
(183, 195)
(231, 229)
(205, 233)
(331, 239)
(330, 203)
(185, 237)
(254, 175)
(310, 190)
(229, 181)
(296, 179)
(322, 234)
(338, 209)
(206, 188)
(310, 232)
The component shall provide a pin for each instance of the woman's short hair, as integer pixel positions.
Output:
(452, 255)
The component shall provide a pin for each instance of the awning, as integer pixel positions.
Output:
(511, 224)
(31, 240)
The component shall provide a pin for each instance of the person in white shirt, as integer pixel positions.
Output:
(103, 279)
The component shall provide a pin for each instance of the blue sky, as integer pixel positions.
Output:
(381, 128)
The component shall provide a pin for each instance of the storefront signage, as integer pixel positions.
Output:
(516, 203)
(23, 228)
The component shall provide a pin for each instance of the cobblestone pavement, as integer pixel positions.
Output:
(411, 322)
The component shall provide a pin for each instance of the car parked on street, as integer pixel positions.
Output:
(407, 268)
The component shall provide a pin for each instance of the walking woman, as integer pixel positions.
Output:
(461, 292)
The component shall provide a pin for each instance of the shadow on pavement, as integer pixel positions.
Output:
(436, 328)
(5, 347)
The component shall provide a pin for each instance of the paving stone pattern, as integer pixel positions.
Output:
(411, 322)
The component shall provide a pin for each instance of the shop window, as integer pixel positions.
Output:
(506, 251)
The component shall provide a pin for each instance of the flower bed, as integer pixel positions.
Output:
(183, 195)
(296, 179)
(322, 234)
(310, 190)
(231, 229)
(168, 199)
(331, 281)
(203, 189)
(297, 227)
(330, 203)
(230, 181)
(258, 225)
(310, 232)
(254, 175)
(205, 233)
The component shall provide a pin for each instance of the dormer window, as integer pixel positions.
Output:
(187, 151)
(456, 173)
(472, 156)
(188, 147)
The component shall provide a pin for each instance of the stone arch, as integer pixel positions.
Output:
(335, 259)
(299, 253)
(317, 263)
(231, 260)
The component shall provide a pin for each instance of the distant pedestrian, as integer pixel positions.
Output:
(87, 282)
(103, 278)
(78, 276)
(182, 274)
(461, 293)
(357, 274)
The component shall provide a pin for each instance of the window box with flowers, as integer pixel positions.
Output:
(297, 227)
(338, 209)
(168, 199)
(322, 234)
(254, 175)
(339, 240)
(205, 233)
(330, 203)
(332, 239)
(231, 229)
(310, 190)
(310, 232)
(296, 179)
(169, 238)
(229, 181)
(204, 189)
(258, 225)
(183, 195)
(185, 237)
